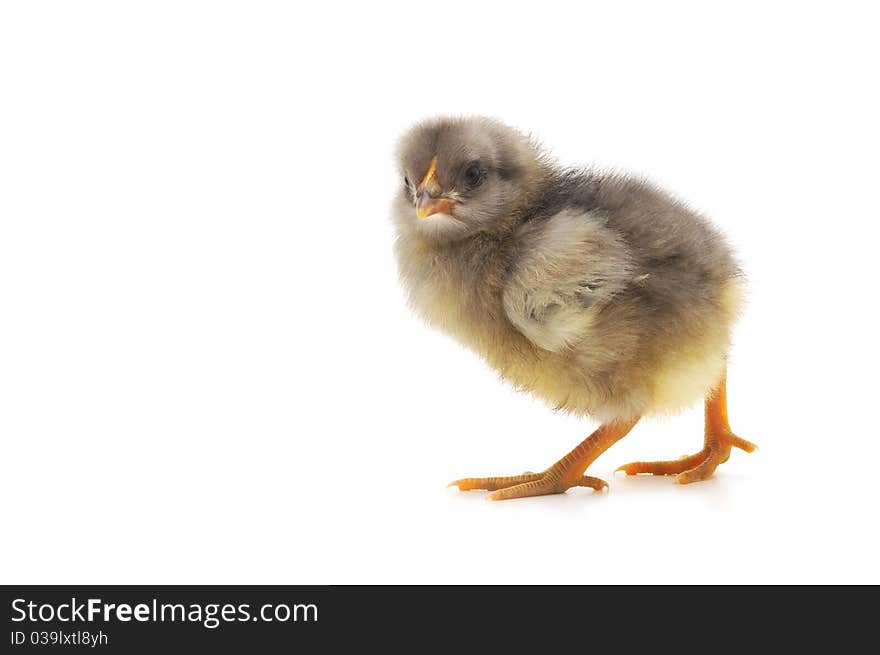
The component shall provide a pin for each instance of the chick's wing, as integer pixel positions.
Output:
(566, 267)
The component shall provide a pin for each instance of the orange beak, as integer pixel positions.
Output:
(429, 199)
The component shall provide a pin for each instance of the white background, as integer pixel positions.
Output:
(207, 372)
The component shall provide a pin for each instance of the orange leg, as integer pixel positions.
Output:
(566, 473)
(716, 449)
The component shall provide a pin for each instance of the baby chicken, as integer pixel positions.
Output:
(600, 294)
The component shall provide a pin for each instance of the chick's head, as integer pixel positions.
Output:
(460, 176)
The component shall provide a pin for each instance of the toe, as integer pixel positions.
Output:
(628, 469)
(742, 444)
(491, 484)
(701, 472)
(597, 484)
(540, 487)
(671, 467)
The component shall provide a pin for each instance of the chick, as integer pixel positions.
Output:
(600, 294)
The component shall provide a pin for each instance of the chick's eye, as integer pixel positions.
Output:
(473, 175)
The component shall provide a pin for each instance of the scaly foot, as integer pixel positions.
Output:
(693, 468)
(568, 472)
(527, 484)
